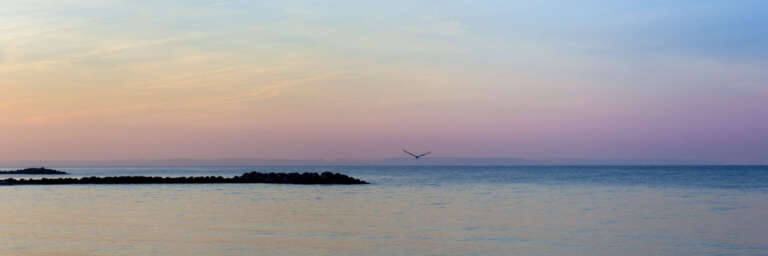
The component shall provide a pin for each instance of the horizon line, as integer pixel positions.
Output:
(445, 160)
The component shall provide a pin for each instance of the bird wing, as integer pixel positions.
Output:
(412, 154)
(430, 152)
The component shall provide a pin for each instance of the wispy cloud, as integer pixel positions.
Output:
(274, 89)
(440, 28)
(597, 74)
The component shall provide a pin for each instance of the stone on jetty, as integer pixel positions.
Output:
(35, 171)
(326, 178)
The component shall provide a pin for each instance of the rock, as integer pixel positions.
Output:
(326, 178)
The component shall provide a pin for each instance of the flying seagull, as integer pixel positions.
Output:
(415, 155)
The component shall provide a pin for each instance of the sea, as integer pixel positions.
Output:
(406, 210)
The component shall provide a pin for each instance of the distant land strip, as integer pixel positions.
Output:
(35, 171)
(325, 178)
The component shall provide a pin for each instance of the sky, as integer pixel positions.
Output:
(107, 79)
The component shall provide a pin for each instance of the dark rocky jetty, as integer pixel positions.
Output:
(326, 178)
(35, 171)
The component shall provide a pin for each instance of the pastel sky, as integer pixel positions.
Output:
(107, 79)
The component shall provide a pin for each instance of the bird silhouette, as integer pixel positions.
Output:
(415, 155)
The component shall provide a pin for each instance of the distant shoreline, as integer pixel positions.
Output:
(34, 171)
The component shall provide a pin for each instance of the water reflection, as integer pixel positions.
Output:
(248, 219)
(429, 211)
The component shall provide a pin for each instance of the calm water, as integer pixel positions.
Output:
(406, 211)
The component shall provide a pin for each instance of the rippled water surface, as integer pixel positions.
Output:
(406, 211)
